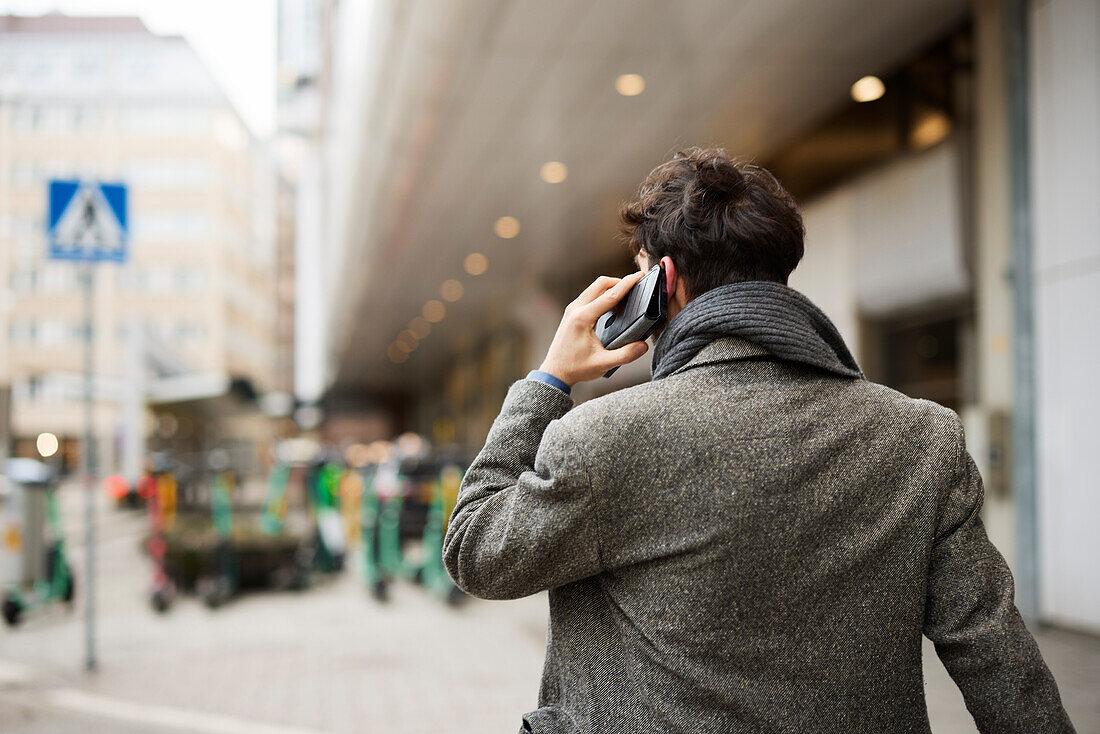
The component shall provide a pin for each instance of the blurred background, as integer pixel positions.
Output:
(351, 224)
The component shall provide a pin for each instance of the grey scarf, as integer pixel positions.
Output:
(775, 317)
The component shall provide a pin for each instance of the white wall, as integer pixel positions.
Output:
(1065, 119)
(885, 242)
(827, 271)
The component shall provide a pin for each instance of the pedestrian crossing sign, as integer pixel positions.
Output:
(87, 221)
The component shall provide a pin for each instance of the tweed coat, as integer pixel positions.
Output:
(747, 545)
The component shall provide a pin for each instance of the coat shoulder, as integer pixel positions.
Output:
(620, 408)
(891, 398)
(629, 415)
(922, 416)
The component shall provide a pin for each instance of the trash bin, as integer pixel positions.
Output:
(34, 568)
(24, 521)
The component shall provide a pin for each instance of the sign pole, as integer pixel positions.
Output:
(88, 223)
(87, 458)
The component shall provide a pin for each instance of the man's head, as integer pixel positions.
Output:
(712, 220)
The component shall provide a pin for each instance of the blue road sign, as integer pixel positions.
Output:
(88, 221)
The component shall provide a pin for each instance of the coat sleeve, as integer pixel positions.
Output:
(971, 617)
(525, 519)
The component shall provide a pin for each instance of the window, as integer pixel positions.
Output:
(37, 68)
(159, 279)
(42, 388)
(26, 389)
(32, 172)
(166, 121)
(190, 332)
(53, 120)
(57, 278)
(191, 280)
(167, 173)
(170, 226)
(87, 66)
(53, 332)
(141, 66)
(87, 119)
(22, 331)
(23, 173)
(23, 280)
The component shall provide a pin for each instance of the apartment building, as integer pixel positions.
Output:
(104, 98)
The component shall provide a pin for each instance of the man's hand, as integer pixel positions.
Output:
(576, 354)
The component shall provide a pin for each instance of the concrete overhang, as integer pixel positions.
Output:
(461, 102)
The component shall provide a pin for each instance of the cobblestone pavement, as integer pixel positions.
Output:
(329, 660)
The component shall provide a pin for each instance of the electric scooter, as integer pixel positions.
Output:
(58, 584)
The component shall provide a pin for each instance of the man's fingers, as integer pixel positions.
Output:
(624, 354)
(605, 301)
(599, 285)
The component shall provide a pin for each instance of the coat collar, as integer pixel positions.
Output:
(724, 349)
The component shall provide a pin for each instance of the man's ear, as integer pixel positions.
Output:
(671, 279)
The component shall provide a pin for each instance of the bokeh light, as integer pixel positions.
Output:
(868, 89)
(47, 444)
(630, 85)
(506, 227)
(553, 172)
(476, 263)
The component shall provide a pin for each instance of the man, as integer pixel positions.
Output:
(756, 540)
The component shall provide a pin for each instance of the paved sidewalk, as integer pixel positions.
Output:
(332, 660)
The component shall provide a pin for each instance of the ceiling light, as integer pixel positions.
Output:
(630, 85)
(553, 172)
(868, 89)
(434, 311)
(506, 227)
(451, 290)
(929, 130)
(420, 327)
(408, 340)
(396, 353)
(476, 263)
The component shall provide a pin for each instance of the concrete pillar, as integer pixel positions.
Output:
(988, 431)
(310, 343)
(5, 424)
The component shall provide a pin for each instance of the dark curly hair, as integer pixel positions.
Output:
(721, 220)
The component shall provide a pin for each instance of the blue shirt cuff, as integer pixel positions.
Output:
(549, 379)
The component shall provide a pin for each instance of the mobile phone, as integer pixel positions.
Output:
(641, 312)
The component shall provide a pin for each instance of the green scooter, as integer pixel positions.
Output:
(431, 574)
(220, 587)
(375, 576)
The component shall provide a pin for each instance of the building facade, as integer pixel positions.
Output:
(104, 98)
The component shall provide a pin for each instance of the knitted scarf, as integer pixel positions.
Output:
(775, 317)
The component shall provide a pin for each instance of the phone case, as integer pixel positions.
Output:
(637, 315)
